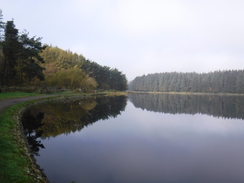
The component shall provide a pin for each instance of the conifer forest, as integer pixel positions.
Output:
(231, 81)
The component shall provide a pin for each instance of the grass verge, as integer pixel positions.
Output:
(15, 164)
(9, 95)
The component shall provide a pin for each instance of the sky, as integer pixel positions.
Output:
(139, 36)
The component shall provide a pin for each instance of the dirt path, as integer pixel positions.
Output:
(9, 102)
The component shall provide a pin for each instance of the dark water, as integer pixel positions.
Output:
(146, 138)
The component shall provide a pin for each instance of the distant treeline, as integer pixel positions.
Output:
(231, 81)
(214, 105)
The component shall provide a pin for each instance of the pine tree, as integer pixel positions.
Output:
(11, 47)
(30, 59)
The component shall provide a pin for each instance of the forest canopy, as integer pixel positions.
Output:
(26, 61)
(62, 65)
(231, 81)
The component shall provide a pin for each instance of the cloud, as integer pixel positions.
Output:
(140, 36)
(143, 17)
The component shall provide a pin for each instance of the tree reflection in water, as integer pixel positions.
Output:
(214, 105)
(33, 132)
(141, 146)
(51, 119)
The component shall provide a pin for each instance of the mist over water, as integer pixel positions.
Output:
(147, 138)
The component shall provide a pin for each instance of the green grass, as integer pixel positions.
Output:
(13, 164)
(9, 95)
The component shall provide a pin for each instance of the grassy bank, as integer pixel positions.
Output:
(15, 164)
(9, 95)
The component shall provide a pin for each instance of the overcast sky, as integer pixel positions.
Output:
(139, 36)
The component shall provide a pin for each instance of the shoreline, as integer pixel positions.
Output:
(32, 170)
(187, 93)
(38, 172)
(29, 169)
(13, 109)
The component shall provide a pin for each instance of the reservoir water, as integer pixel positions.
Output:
(140, 138)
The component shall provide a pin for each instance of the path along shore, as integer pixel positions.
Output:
(10, 102)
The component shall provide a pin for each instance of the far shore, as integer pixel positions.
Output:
(189, 93)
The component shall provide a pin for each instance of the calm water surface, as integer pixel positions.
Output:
(143, 139)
